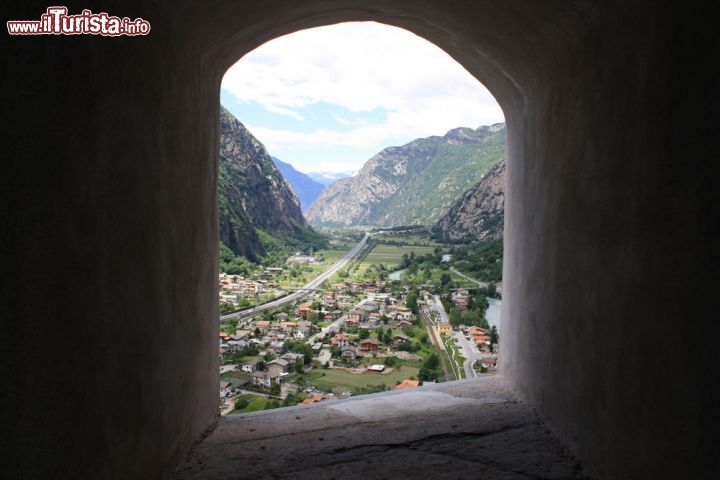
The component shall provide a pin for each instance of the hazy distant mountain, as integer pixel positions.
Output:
(304, 187)
(414, 184)
(326, 178)
(258, 210)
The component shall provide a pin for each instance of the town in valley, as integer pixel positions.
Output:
(395, 314)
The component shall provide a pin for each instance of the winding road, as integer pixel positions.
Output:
(498, 285)
(478, 282)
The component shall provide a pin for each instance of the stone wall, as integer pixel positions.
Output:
(109, 231)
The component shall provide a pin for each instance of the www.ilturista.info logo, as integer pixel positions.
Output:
(56, 21)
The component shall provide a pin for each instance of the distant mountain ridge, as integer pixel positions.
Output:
(327, 178)
(257, 207)
(306, 189)
(479, 215)
(413, 184)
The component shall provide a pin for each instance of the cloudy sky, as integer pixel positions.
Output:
(329, 98)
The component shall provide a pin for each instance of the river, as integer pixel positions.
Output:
(493, 312)
(494, 304)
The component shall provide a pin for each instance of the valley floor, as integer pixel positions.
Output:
(358, 330)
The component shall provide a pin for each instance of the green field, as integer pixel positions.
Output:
(411, 239)
(256, 403)
(435, 275)
(236, 378)
(391, 255)
(330, 255)
(331, 378)
(462, 282)
(457, 280)
(388, 255)
(336, 251)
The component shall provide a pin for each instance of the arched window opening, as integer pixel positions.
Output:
(361, 213)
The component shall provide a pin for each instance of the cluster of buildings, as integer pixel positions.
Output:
(234, 287)
(370, 313)
(479, 335)
(334, 303)
(350, 350)
(271, 272)
(368, 287)
(340, 306)
(265, 334)
(376, 310)
(461, 299)
(360, 306)
(274, 371)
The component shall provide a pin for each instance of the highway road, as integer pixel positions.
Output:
(300, 294)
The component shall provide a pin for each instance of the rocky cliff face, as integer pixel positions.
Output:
(253, 195)
(479, 214)
(413, 184)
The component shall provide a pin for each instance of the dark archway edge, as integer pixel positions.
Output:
(109, 242)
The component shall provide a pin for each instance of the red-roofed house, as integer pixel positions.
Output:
(263, 325)
(407, 384)
(488, 362)
(340, 340)
(480, 339)
(304, 310)
(368, 345)
(313, 399)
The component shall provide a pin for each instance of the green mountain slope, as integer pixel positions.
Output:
(416, 183)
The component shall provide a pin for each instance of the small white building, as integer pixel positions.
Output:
(229, 299)
(226, 389)
(301, 259)
(249, 367)
(292, 357)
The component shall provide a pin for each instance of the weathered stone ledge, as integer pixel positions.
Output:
(458, 430)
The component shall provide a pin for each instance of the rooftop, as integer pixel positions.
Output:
(407, 384)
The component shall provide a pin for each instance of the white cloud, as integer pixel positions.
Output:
(284, 111)
(360, 67)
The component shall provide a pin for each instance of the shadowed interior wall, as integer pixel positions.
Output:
(109, 243)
